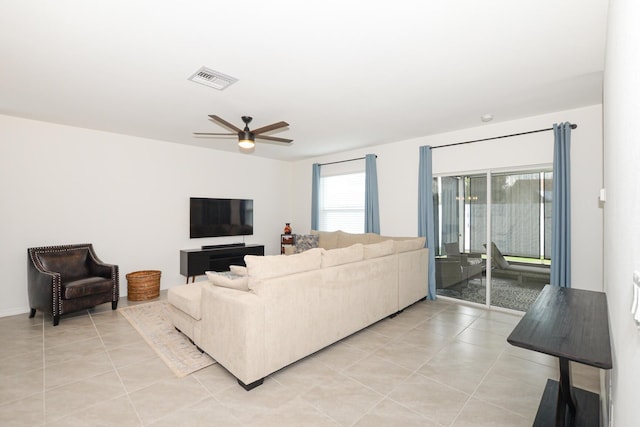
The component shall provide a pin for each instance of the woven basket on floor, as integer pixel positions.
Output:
(143, 285)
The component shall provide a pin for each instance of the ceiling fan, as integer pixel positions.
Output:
(246, 136)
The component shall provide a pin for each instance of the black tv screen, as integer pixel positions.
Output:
(220, 217)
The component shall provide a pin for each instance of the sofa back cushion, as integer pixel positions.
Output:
(341, 256)
(326, 239)
(266, 267)
(348, 239)
(409, 244)
(376, 250)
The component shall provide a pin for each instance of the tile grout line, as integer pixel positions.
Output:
(113, 365)
(415, 372)
(44, 370)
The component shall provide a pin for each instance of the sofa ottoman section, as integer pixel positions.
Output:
(185, 302)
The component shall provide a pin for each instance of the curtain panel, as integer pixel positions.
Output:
(561, 208)
(371, 208)
(315, 196)
(426, 226)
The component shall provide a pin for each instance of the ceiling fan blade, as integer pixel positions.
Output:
(267, 128)
(273, 138)
(213, 134)
(225, 123)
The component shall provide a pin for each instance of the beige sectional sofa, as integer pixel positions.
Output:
(295, 305)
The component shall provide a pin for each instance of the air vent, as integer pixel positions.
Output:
(212, 78)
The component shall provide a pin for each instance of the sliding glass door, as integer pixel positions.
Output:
(520, 237)
(517, 267)
(460, 204)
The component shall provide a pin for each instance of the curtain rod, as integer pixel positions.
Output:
(343, 161)
(573, 126)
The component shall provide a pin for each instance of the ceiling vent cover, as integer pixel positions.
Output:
(212, 78)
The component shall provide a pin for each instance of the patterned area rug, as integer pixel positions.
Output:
(152, 321)
(504, 293)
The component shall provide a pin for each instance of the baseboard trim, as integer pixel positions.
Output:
(14, 311)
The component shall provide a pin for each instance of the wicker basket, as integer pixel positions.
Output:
(143, 285)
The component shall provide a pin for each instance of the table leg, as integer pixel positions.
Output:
(565, 393)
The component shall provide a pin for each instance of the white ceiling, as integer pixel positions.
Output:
(344, 74)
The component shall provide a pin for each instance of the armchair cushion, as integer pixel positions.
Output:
(85, 287)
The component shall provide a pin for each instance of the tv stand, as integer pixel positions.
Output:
(194, 262)
(227, 245)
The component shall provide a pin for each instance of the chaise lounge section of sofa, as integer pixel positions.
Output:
(295, 305)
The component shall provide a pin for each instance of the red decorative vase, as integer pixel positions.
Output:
(287, 228)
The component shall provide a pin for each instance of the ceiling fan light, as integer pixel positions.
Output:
(246, 143)
(246, 139)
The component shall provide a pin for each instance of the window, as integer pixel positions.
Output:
(341, 202)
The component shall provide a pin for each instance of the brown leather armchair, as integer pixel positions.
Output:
(64, 279)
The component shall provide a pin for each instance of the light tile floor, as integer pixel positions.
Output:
(435, 364)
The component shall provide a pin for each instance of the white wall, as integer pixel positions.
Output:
(622, 209)
(397, 166)
(128, 196)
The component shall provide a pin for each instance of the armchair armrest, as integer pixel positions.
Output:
(43, 286)
(99, 268)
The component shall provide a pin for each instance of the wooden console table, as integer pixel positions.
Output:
(573, 325)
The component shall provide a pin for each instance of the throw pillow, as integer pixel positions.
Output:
(239, 270)
(304, 242)
(228, 279)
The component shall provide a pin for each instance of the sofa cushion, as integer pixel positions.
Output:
(265, 267)
(376, 250)
(304, 242)
(228, 279)
(411, 244)
(341, 256)
(327, 239)
(187, 298)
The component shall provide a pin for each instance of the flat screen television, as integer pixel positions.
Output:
(220, 217)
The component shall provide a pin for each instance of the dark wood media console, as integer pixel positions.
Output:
(194, 262)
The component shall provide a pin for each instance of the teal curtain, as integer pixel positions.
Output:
(371, 210)
(315, 196)
(426, 227)
(561, 207)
